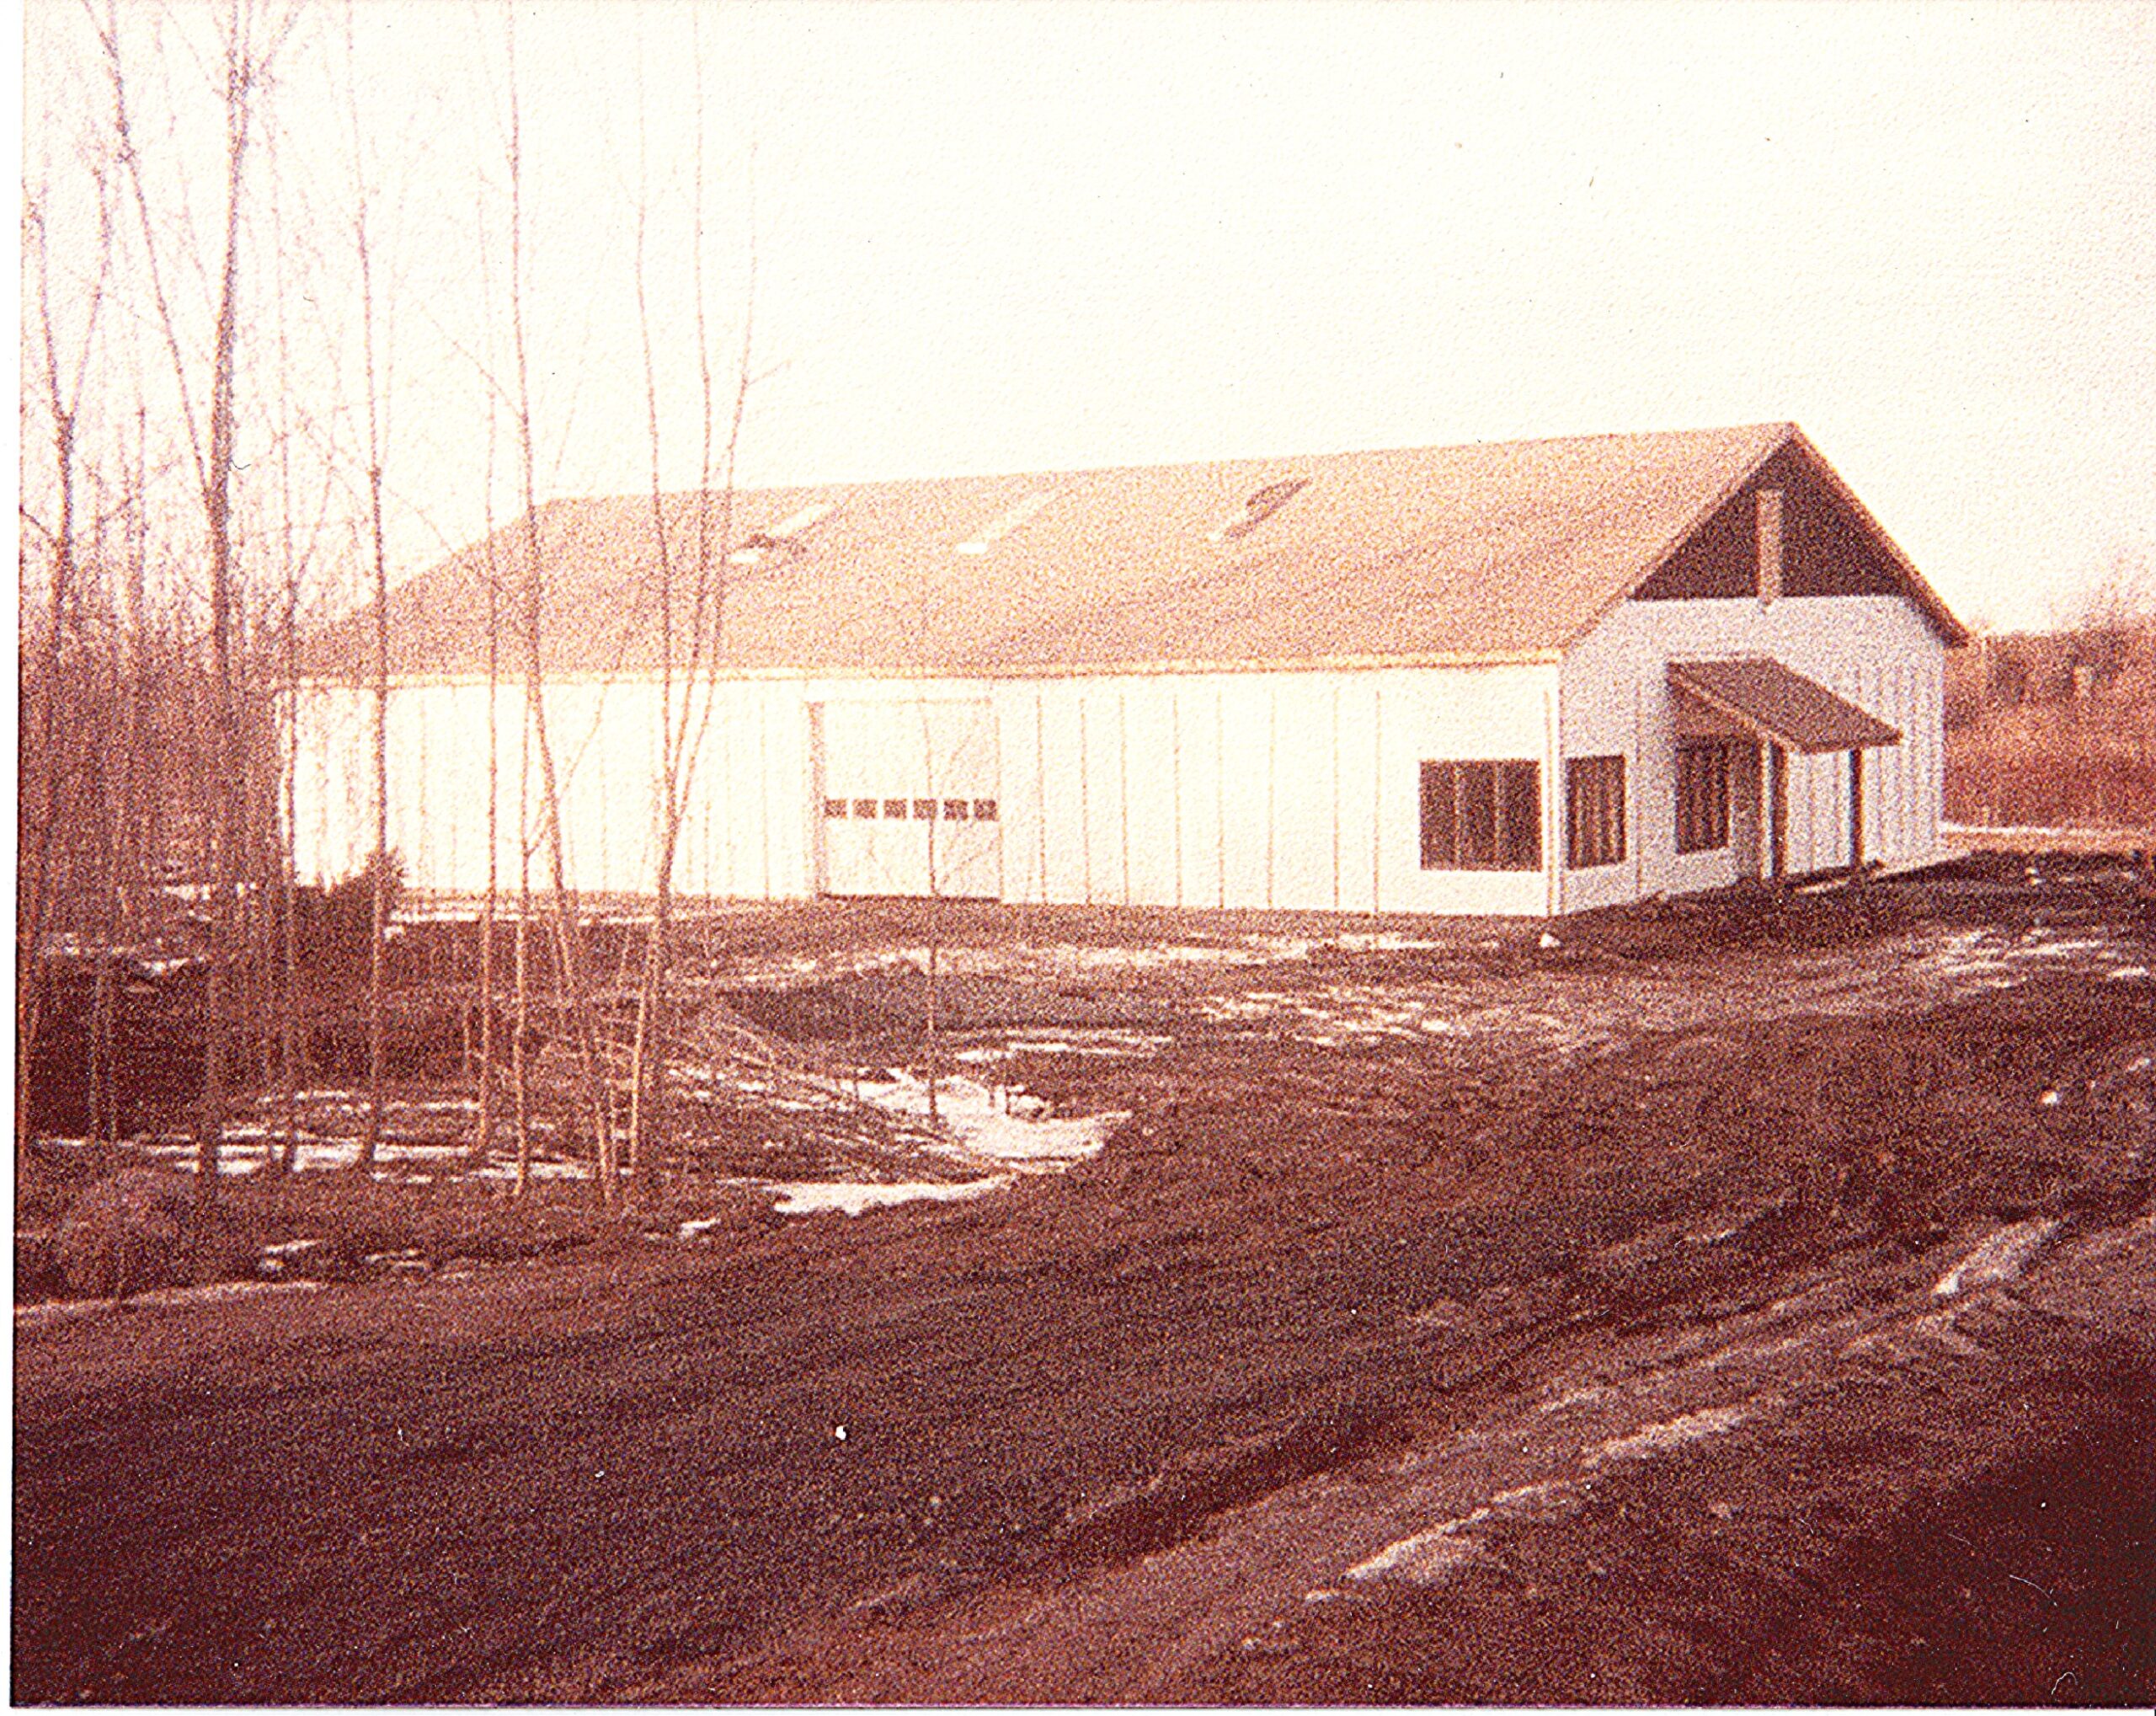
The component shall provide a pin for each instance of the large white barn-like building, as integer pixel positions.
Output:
(1526, 678)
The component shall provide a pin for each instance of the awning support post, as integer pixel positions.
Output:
(1777, 812)
(1856, 813)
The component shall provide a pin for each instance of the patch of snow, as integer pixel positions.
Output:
(548, 1168)
(2001, 1257)
(1106, 1043)
(1940, 1327)
(217, 1292)
(1674, 1433)
(1385, 941)
(1428, 1557)
(2126, 971)
(1431, 1557)
(814, 1198)
(999, 1124)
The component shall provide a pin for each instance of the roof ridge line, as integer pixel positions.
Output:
(1066, 473)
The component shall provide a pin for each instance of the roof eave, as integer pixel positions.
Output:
(1072, 669)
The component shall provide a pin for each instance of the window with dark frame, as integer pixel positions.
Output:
(864, 807)
(1595, 812)
(1481, 815)
(954, 809)
(1702, 794)
(895, 809)
(835, 807)
(924, 809)
(983, 810)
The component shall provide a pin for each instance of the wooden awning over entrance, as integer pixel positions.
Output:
(1779, 704)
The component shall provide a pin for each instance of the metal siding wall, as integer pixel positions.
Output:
(1361, 805)
(1101, 713)
(1602, 717)
(1244, 784)
(1153, 784)
(1304, 792)
(1059, 758)
(1015, 714)
(1874, 650)
(332, 808)
(1292, 790)
(1458, 715)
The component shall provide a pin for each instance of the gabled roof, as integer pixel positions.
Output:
(1491, 552)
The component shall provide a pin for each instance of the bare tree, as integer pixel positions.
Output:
(568, 964)
(248, 52)
(484, 1142)
(376, 380)
(44, 783)
(682, 734)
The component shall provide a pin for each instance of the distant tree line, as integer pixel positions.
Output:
(2058, 727)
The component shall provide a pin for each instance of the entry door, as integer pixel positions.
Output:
(908, 788)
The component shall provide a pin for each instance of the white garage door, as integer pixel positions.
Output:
(902, 784)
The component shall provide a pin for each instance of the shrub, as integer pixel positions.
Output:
(126, 1234)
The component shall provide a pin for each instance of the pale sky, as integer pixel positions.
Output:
(997, 238)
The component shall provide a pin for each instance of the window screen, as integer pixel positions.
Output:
(1595, 812)
(1702, 794)
(1481, 816)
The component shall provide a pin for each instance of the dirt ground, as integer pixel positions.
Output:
(1745, 1301)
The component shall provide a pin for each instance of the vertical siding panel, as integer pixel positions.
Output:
(764, 784)
(1058, 771)
(1377, 797)
(1220, 794)
(1153, 792)
(1272, 782)
(1912, 738)
(1123, 786)
(1643, 781)
(1175, 783)
(1306, 770)
(1335, 777)
(1085, 799)
(1197, 839)
(1045, 801)
(1242, 877)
